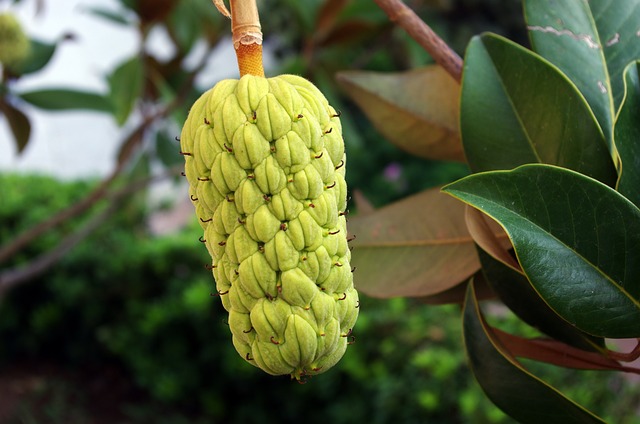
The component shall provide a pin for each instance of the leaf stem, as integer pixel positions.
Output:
(406, 18)
(626, 357)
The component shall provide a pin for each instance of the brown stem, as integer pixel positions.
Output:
(444, 56)
(557, 353)
(626, 357)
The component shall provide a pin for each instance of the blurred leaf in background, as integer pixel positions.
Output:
(133, 311)
(125, 322)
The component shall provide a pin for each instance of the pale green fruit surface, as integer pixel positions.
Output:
(14, 44)
(265, 159)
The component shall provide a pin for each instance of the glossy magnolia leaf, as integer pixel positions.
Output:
(418, 246)
(602, 39)
(517, 108)
(504, 274)
(18, 123)
(507, 383)
(565, 33)
(514, 290)
(627, 135)
(577, 240)
(67, 99)
(126, 83)
(417, 111)
(618, 29)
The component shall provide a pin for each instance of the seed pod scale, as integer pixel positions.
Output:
(265, 160)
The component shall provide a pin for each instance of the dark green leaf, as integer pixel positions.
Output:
(305, 12)
(110, 15)
(67, 99)
(591, 42)
(514, 290)
(126, 84)
(140, 167)
(566, 34)
(627, 136)
(517, 108)
(39, 55)
(507, 383)
(168, 149)
(184, 24)
(18, 123)
(129, 4)
(618, 29)
(577, 240)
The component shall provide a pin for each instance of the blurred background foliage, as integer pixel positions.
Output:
(123, 327)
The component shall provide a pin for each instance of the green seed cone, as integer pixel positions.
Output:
(14, 44)
(265, 164)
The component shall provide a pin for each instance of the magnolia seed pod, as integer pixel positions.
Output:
(264, 158)
(14, 44)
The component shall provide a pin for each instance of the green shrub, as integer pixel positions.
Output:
(143, 303)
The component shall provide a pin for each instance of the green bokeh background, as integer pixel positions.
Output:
(123, 329)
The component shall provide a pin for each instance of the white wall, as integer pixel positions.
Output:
(82, 144)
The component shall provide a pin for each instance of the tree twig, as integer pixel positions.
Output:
(444, 56)
(12, 277)
(76, 209)
(128, 148)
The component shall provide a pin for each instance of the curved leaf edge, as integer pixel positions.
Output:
(471, 309)
(594, 26)
(563, 76)
(627, 70)
(531, 308)
(553, 68)
(446, 189)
